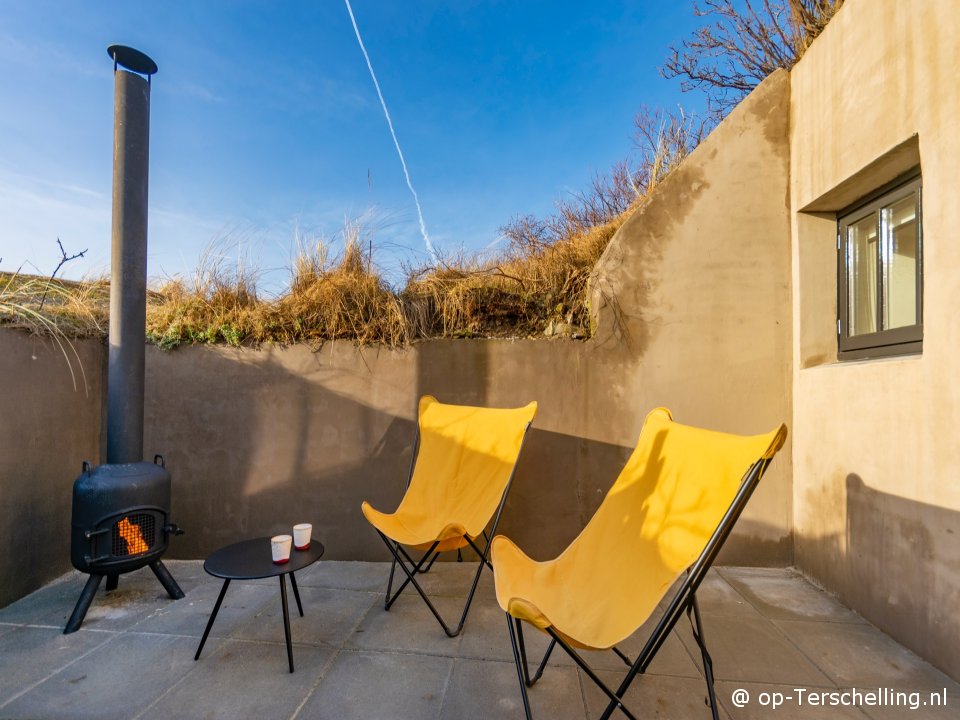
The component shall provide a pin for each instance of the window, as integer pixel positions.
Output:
(880, 274)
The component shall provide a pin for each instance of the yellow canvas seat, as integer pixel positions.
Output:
(464, 462)
(667, 514)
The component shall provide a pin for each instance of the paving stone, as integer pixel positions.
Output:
(50, 605)
(653, 696)
(354, 659)
(488, 690)
(771, 701)
(115, 610)
(486, 637)
(329, 616)
(409, 627)
(377, 686)
(114, 681)
(189, 615)
(451, 579)
(753, 649)
(28, 655)
(785, 595)
(345, 575)
(243, 680)
(861, 655)
(716, 597)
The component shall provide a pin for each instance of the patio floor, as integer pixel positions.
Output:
(768, 629)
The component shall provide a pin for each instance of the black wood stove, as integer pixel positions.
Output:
(120, 509)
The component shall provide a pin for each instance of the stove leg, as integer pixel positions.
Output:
(83, 604)
(166, 579)
(112, 582)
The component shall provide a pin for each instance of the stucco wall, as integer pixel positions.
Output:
(700, 280)
(877, 503)
(48, 426)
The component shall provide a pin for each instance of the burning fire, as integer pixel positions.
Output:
(133, 537)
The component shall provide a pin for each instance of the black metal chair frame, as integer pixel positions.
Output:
(402, 557)
(684, 601)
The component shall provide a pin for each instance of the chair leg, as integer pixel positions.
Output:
(386, 599)
(430, 564)
(707, 660)
(521, 666)
(397, 551)
(531, 681)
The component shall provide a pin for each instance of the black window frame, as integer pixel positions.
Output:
(884, 342)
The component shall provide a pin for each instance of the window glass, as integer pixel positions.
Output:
(862, 256)
(898, 226)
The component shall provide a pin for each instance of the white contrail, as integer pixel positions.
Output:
(406, 174)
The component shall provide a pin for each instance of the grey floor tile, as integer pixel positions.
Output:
(779, 701)
(716, 597)
(486, 637)
(50, 605)
(653, 696)
(189, 615)
(114, 681)
(345, 575)
(489, 690)
(241, 680)
(28, 655)
(329, 616)
(785, 595)
(860, 654)
(673, 658)
(376, 686)
(752, 649)
(118, 609)
(453, 579)
(409, 626)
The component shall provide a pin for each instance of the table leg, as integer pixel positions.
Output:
(296, 592)
(213, 616)
(286, 621)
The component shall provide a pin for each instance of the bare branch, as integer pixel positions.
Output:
(742, 44)
(64, 260)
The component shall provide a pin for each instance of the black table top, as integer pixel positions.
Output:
(252, 559)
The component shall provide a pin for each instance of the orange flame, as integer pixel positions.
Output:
(133, 537)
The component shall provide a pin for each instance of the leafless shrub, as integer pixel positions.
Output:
(730, 55)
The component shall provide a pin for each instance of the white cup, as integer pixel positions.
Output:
(280, 547)
(301, 536)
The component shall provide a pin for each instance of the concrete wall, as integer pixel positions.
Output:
(877, 503)
(695, 290)
(48, 426)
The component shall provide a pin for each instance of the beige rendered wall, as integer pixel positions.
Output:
(699, 278)
(877, 502)
(48, 426)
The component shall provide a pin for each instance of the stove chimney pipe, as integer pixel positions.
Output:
(128, 277)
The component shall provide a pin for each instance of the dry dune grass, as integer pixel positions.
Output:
(529, 290)
(536, 286)
(46, 307)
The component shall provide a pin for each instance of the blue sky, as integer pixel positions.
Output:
(265, 123)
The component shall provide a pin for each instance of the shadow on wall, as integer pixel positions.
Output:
(256, 442)
(255, 446)
(898, 564)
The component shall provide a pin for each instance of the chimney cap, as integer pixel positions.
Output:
(131, 59)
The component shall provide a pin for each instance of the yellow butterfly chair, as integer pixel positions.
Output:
(463, 463)
(666, 516)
